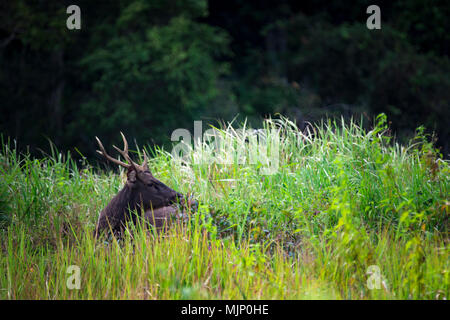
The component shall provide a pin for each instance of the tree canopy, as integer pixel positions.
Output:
(147, 67)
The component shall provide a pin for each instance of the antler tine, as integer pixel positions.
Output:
(107, 156)
(145, 163)
(125, 154)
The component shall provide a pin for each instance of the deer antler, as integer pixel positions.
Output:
(107, 156)
(145, 163)
(124, 154)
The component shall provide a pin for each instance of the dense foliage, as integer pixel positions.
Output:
(147, 67)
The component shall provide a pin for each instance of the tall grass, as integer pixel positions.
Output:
(339, 203)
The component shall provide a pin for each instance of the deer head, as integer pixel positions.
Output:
(142, 191)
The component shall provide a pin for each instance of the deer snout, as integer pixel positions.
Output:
(176, 198)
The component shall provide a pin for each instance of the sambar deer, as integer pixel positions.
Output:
(141, 193)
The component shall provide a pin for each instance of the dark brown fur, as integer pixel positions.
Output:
(144, 192)
(141, 193)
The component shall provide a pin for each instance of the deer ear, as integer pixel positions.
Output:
(131, 176)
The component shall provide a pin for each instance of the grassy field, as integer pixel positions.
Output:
(344, 214)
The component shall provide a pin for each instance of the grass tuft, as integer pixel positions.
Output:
(333, 212)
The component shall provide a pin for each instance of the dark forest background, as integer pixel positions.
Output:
(148, 67)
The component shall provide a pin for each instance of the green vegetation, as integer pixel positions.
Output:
(147, 67)
(341, 200)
